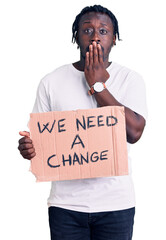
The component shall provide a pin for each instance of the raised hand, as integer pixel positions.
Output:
(95, 70)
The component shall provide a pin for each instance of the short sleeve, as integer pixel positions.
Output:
(42, 99)
(135, 96)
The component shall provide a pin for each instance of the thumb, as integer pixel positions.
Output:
(24, 133)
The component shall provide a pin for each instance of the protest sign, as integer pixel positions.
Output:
(79, 144)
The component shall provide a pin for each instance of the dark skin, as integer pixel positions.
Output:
(26, 147)
(95, 39)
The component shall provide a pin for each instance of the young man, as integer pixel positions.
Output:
(98, 208)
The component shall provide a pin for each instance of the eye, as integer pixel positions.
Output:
(103, 31)
(88, 30)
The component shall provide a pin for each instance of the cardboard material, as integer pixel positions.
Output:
(79, 144)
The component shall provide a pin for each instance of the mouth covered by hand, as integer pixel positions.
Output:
(87, 49)
(95, 70)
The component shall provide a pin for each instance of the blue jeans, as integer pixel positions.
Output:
(72, 225)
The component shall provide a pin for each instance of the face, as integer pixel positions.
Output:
(95, 27)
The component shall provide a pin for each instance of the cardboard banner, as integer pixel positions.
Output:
(79, 144)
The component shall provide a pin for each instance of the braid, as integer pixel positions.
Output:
(99, 9)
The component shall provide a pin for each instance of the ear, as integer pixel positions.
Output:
(77, 41)
(114, 40)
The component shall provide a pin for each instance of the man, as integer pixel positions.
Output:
(97, 208)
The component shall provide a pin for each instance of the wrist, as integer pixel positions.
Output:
(97, 87)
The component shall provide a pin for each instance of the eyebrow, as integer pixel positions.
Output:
(90, 22)
(86, 22)
(103, 24)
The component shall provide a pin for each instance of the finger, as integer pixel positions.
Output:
(100, 53)
(91, 55)
(25, 140)
(30, 156)
(22, 147)
(87, 60)
(95, 53)
(28, 146)
(24, 133)
(27, 152)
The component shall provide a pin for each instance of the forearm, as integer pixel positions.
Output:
(134, 122)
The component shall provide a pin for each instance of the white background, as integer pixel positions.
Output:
(35, 39)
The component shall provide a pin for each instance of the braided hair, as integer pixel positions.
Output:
(98, 9)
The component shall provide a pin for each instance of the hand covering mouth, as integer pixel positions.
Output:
(87, 49)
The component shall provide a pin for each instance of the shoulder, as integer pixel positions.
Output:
(124, 76)
(132, 89)
(56, 74)
(53, 79)
(124, 71)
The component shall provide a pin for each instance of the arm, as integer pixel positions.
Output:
(134, 122)
(96, 72)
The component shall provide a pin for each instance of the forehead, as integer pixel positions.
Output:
(93, 17)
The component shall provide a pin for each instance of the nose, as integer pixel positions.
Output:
(95, 38)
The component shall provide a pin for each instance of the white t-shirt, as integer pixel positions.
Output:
(66, 89)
